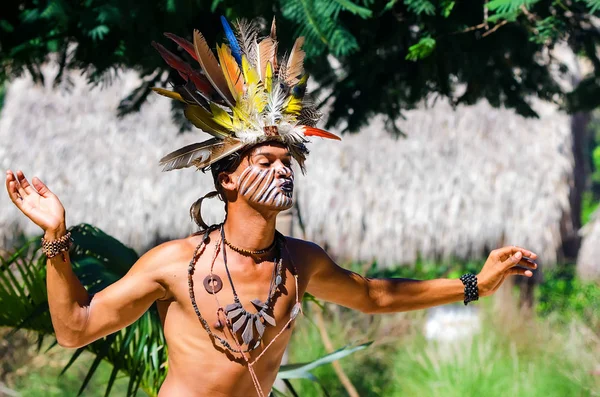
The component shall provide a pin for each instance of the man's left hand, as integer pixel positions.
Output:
(504, 262)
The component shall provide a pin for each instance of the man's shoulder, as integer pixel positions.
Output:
(304, 248)
(172, 251)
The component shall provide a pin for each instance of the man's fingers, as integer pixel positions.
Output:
(527, 262)
(41, 187)
(13, 193)
(25, 183)
(518, 271)
(504, 252)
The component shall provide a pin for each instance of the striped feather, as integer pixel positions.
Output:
(189, 155)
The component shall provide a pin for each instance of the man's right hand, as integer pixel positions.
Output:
(38, 203)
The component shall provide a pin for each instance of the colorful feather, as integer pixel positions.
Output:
(168, 94)
(192, 96)
(266, 53)
(204, 120)
(183, 43)
(293, 106)
(299, 89)
(227, 147)
(250, 74)
(211, 68)
(247, 34)
(221, 117)
(295, 63)
(312, 131)
(185, 70)
(190, 154)
(268, 79)
(233, 43)
(231, 71)
(273, 36)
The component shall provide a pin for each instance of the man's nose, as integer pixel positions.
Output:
(284, 171)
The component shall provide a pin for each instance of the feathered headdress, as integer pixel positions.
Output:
(245, 97)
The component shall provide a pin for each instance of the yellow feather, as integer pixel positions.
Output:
(221, 117)
(269, 77)
(168, 94)
(294, 106)
(231, 70)
(250, 74)
(204, 120)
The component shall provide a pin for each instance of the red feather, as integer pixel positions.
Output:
(183, 43)
(312, 131)
(185, 70)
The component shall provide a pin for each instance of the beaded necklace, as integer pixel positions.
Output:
(244, 319)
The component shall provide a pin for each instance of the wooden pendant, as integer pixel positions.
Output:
(260, 327)
(248, 333)
(212, 284)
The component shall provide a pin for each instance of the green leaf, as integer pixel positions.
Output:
(422, 49)
(420, 6)
(507, 6)
(98, 32)
(447, 7)
(302, 371)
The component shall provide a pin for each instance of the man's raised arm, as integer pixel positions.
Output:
(332, 283)
(77, 317)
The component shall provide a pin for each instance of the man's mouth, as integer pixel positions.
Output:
(287, 187)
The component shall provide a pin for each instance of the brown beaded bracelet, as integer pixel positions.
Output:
(55, 247)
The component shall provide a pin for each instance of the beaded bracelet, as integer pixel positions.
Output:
(471, 289)
(55, 247)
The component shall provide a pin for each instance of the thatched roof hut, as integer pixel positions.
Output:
(588, 260)
(463, 181)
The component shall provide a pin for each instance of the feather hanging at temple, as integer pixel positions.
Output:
(211, 68)
(186, 156)
(243, 96)
(233, 43)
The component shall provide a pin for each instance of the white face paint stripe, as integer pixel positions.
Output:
(271, 181)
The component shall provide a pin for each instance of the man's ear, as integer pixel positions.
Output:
(226, 181)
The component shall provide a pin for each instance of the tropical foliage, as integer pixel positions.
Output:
(393, 53)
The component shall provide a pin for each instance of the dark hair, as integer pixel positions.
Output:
(226, 164)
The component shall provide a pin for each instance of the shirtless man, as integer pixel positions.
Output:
(250, 155)
(197, 365)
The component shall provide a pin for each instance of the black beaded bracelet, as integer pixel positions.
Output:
(471, 289)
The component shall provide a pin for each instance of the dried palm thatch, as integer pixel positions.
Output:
(588, 260)
(461, 183)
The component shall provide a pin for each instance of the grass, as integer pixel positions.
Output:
(511, 356)
(37, 374)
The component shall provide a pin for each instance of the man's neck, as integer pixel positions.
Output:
(250, 229)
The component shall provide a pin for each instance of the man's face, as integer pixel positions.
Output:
(266, 178)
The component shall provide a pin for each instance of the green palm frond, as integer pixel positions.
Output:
(98, 260)
(318, 22)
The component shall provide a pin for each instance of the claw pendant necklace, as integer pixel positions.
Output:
(237, 315)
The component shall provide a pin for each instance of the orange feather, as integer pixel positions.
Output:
(312, 131)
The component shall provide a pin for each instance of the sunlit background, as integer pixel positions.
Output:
(466, 126)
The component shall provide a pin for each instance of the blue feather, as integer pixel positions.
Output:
(236, 51)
